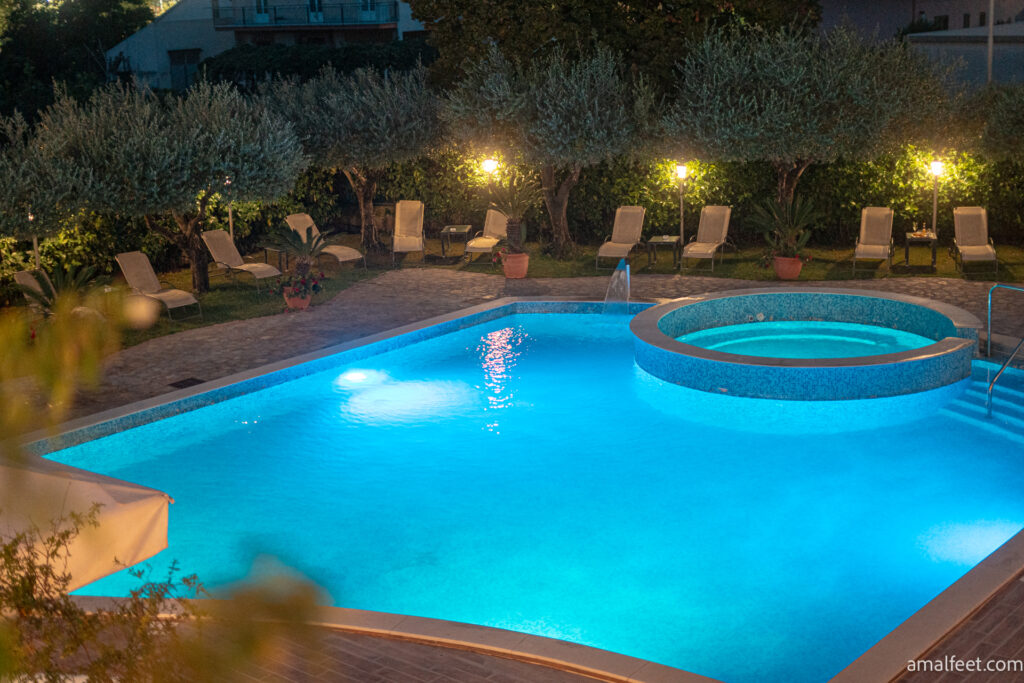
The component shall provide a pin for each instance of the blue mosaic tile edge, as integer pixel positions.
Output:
(302, 369)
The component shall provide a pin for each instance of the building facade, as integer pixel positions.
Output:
(887, 18)
(166, 53)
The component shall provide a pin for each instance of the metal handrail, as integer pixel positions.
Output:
(992, 384)
(988, 350)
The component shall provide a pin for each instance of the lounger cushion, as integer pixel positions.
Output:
(259, 270)
(979, 253)
(614, 250)
(482, 244)
(872, 251)
(407, 243)
(342, 253)
(173, 298)
(700, 249)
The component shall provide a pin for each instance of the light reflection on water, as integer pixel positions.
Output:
(499, 352)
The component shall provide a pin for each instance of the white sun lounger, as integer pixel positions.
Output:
(226, 255)
(875, 241)
(626, 234)
(495, 230)
(408, 228)
(711, 234)
(141, 277)
(971, 241)
(301, 222)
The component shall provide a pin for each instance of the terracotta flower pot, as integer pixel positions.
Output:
(787, 267)
(297, 303)
(515, 265)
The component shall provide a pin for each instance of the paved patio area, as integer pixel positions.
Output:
(400, 297)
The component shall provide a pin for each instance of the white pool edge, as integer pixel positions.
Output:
(885, 660)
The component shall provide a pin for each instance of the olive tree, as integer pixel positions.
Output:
(1002, 137)
(360, 124)
(559, 114)
(139, 155)
(794, 98)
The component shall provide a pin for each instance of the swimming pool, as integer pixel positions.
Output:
(805, 339)
(524, 473)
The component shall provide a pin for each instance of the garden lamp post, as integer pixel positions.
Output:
(681, 172)
(231, 212)
(490, 166)
(35, 241)
(936, 169)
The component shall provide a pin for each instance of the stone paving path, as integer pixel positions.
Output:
(400, 297)
(343, 657)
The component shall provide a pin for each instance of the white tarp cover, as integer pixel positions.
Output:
(132, 519)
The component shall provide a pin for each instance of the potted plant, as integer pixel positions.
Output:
(514, 196)
(303, 282)
(786, 227)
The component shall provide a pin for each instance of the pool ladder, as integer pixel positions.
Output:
(988, 350)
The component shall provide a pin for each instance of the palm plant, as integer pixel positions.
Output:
(786, 226)
(305, 249)
(49, 287)
(514, 196)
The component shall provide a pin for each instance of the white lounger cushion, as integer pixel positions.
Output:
(172, 298)
(983, 252)
(614, 250)
(482, 244)
(259, 270)
(700, 249)
(342, 253)
(408, 226)
(141, 277)
(872, 251)
(407, 243)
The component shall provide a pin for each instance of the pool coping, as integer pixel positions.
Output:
(498, 642)
(646, 327)
(885, 660)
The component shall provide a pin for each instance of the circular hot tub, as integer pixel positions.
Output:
(804, 344)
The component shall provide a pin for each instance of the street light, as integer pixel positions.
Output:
(231, 213)
(681, 172)
(936, 168)
(490, 166)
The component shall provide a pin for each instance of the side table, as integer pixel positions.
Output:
(449, 232)
(663, 241)
(920, 237)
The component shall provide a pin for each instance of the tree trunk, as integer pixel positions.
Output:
(556, 199)
(190, 241)
(364, 185)
(788, 177)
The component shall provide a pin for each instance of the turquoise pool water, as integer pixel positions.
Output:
(805, 339)
(525, 474)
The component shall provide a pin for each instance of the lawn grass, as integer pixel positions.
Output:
(744, 263)
(230, 300)
(239, 300)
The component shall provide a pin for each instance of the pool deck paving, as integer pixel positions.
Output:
(400, 297)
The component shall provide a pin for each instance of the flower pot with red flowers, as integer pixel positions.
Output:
(513, 196)
(787, 227)
(299, 286)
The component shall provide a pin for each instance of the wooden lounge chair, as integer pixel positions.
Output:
(302, 222)
(141, 277)
(971, 241)
(226, 255)
(627, 232)
(408, 229)
(875, 241)
(712, 233)
(494, 231)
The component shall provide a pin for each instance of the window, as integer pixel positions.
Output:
(967, 20)
(941, 22)
(982, 19)
(184, 64)
(316, 6)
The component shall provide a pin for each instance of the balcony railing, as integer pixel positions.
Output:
(310, 14)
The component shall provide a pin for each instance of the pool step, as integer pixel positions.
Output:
(1007, 409)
